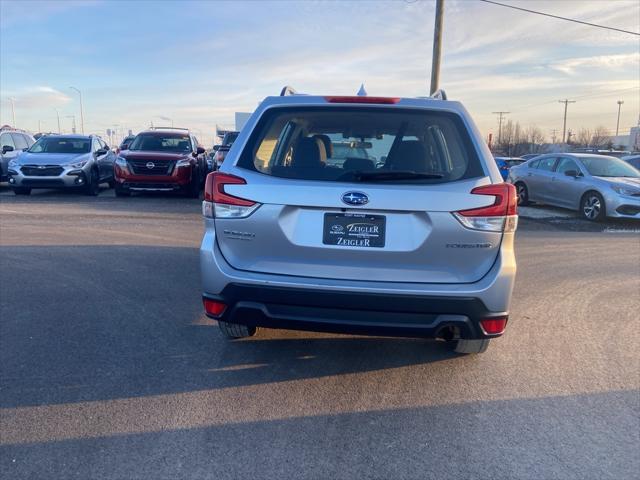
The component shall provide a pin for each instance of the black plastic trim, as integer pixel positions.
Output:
(351, 312)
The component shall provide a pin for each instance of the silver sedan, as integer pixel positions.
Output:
(597, 186)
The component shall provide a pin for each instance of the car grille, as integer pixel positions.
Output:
(41, 170)
(152, 167)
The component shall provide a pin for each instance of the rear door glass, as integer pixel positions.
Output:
(340, 143)
(546, 164)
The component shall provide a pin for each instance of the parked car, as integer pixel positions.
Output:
(419, 246)
(597, 186)
(165, 160)
(63, 161)
(633, 160)
(12, 143)
(222, 149)
(505, 163)
(529, 156)
(124, 145)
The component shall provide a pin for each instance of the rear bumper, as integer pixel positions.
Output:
(359, 307)
(353, 313)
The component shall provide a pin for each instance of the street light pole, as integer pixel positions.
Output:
(73, 123)
(58, 116)
(620, 102)
(81, 109)
(437, 47)
(13, 111)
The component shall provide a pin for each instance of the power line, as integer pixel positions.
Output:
(561, 18)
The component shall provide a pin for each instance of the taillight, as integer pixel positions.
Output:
(363, 99)
(218, 203)
(214, 308)
(494, 326)
(501, 216)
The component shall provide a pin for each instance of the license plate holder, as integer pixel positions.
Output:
(354, 230)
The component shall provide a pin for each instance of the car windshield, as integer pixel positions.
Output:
(608, 167)
(362, 144)
(162, 142)
(61, 145)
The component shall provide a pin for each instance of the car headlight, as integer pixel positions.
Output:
(121, 162)
(621, 190)
(183, 163)
(77, 164)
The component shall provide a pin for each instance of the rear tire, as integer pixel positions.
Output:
(22, 191)
(592, 207)
(471, 346)
(112, 183)
(234, 330)
(522, 194)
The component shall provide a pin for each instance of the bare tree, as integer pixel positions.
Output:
(600, 137)
(583, 137)
(535, 138)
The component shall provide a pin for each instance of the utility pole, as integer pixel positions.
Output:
(39, 125)
(553, 135)
(81, 109)
(500, 115)
(58, 115)
(73, 124)
(564, 123)
(620, 102)
(569, 135)
(437, 47)
(13, 111)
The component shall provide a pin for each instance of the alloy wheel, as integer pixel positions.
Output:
(592, 207)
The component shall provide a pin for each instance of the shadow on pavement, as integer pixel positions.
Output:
(583, 436)
(86, 323)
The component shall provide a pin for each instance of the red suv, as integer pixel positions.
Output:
(165, 160)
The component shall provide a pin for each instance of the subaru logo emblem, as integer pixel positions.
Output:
(151, 165)
(355, 198)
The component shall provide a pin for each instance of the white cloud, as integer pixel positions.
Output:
(38, 98)
(611, 63)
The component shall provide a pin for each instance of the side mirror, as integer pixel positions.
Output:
(7, 148)
(101, 152)
(571, 173)
(200, 150)
(216, 148)
(124, 147)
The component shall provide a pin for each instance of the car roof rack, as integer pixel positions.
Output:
(168, 128)
(439, 94)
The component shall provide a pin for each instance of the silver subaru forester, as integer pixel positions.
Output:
(410, 235)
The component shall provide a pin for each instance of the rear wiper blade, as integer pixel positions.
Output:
(393, 175)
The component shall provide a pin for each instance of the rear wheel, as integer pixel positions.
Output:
(22, 191)
(592, 207)
(234, 330)
(471, 346)
(112, 183)
(522, 193)
(93, 185)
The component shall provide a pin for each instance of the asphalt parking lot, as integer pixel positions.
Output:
(109, 369)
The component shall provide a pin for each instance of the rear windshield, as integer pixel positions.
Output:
(229, 138)
(161, 142)
(362, 145)
(61, 145)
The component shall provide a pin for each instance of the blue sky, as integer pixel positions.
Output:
(199, 62)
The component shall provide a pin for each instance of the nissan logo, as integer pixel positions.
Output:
(355, 198)
(151, 165)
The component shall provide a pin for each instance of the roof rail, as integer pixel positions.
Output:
(287, 90)
(168, 128)
(439, 94)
